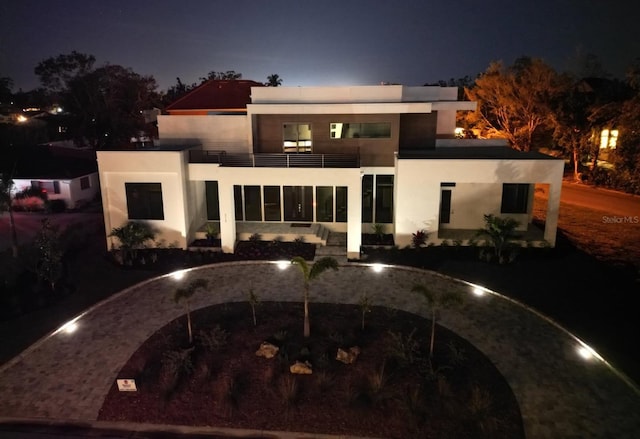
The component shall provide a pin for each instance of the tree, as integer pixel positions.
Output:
(309, 274)
(274, 80)
(6, 85)
(229, 75)
(104, 103)
(570, 120)
(132, 236)
(434, 303)
(501, 232)
(184, 295)
(513, 102)
(6, 185)
(176, 91)
(49, 248)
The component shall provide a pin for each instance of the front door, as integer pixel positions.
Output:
(445, 206)
(298, 203)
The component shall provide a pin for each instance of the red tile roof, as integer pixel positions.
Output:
(217, 95)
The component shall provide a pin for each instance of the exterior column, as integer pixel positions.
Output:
(227, 217)
(354, 217)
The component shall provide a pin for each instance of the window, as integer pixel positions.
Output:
(371, 130)
(608, 139)
(252, 203)
(297, 137)
(515, 198)
(367, 198)
(341, 204)
(144, 201)
(384, 198)
(213, 204)
(272, 203)
(237, 202)
(324, 203)
(85, 183)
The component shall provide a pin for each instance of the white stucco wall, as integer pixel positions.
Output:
(223, 132)
(418, 191)
(165, 167)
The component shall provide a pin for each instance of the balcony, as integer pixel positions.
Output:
(275, 160)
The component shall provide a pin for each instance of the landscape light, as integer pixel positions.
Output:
(178, 275)
(478, 291)
(377, 268)
(282, 265)
(70, 327)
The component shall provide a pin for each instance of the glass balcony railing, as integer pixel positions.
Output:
(275, 160)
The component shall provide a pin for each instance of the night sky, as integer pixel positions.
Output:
(321, 42)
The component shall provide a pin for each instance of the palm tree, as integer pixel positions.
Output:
(132, 236)
(309, 274)
(184, 295)
(434, 303)
(6, 184)
(501, 231)
(274, 80)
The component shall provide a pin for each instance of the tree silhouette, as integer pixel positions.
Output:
(274, 80)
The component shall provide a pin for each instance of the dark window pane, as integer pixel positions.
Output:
(237, 202)
(324, 203)
(213, 204)
(144, 201)
(367, 198)
(85, 183)
(515, 198)
(366, 130)
(341, 204)
(252, 203)
(384, 198)
(272, 203)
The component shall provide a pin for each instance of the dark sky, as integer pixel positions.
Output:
(321, 42)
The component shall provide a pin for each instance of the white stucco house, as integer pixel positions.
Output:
(340, 158)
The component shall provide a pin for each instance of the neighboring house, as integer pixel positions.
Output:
(344, 158)
(72, 180)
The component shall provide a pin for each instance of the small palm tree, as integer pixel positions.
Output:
(434, 303)
(132, 236)
(274, 80)
(184, 295)
(309, 274)
(501, 231)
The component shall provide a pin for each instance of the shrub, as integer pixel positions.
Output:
(419, 238)
(213, 339)
(255, 237)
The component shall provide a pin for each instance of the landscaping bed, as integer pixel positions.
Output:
(390, 390)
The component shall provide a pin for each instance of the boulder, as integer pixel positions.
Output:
(349, 356)
(301, 368)
(267, 350)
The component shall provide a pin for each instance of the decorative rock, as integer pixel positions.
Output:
(301, 368)
(267, 350)
(348, 357)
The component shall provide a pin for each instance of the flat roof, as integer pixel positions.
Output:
(474, 152)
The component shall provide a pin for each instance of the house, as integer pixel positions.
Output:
(71, 179)
(341, 159)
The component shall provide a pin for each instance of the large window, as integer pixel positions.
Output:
(50, 187)
(324, 204)
(272, 203)
(252, 203)
(341, 204)
(213, 204)
(372, 130)
(384, 198)
(144, 201)
(515, 198)
(296, 137)
(367, 198)
(237, 202)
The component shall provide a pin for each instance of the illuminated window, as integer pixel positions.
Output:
(297, 137)
(372, 130)
(608, 139)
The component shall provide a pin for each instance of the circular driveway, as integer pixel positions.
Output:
(66, 375)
